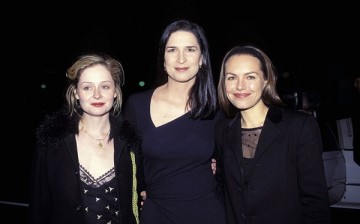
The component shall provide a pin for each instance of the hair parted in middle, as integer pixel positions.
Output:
(269, 95)
(202, 95)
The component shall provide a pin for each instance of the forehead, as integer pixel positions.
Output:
(182, 38)
(242, 61)
(96, 73)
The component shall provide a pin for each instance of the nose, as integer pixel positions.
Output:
(97, 93)
(181, 58)
(240, 84)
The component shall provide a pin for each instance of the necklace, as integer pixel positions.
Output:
(100, 145)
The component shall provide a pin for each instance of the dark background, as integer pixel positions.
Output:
(315, 47)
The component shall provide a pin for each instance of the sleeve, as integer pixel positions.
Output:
(219, 132)
(130, 114)
(130, 111)
(311, 175)
(140, 173)
(40, 204)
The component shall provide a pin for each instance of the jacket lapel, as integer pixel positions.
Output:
(270, 131)
(234, 138)
(118, 146)
(71, 147)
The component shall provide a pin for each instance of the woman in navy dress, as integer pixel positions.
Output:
(176, 121)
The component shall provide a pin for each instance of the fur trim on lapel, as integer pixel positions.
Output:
(56, 126)
(122, 128)
(59, 124)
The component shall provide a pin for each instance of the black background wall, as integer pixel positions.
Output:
(312, 46)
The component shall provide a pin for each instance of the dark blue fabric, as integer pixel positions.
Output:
(177, 167)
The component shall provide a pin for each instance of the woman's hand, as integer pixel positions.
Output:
(213, 166)
(143, 197)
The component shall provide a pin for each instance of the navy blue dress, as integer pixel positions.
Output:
(177, 156)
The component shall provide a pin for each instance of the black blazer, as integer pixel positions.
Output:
(287, 181)
(55, 195)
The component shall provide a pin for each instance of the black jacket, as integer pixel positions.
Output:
(55, 195)
(286, 181)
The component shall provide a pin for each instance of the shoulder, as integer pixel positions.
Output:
(297, 115)
(56, 125)
(223, 126)
(277, 114)
(136, 103)
(122, 128)
(291, 118)
(219, 114)
(140, 95)
(222, 122)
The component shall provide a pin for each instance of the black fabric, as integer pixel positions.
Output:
(55, 194)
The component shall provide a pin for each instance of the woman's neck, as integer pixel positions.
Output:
(176, 94)
(95, 125)
(254, 117)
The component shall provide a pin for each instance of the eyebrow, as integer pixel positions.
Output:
(190, 46)
(87, 82)
(247, 73)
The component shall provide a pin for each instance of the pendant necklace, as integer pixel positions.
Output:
(100, 145)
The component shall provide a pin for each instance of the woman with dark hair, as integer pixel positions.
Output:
(176, 122)
(269, 157)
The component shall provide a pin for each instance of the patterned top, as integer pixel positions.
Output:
(100, 197)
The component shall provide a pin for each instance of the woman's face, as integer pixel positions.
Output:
(183, 56)
(244, 81)
(96, 91)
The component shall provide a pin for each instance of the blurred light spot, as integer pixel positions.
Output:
(285, 74)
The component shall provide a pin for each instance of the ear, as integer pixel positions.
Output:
(265, 83)
(115, 95)
(201, 61)
(76, 95)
